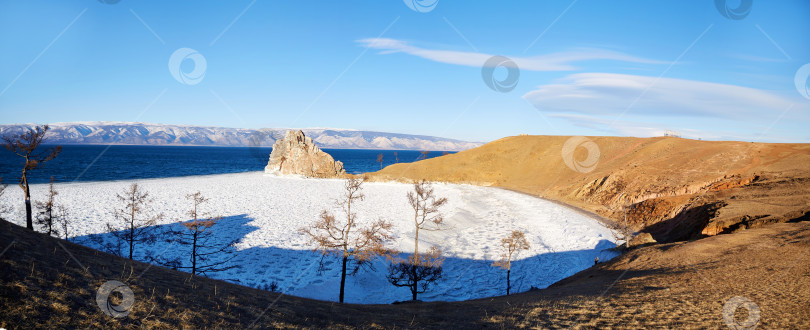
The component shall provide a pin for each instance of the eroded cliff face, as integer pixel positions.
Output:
(296, 154)
(675, 189)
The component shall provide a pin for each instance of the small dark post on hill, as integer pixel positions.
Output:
(396, 157)
(137, 227)
(344, 238)
(512, 245)
(25, 145)
(380, 159)
(420, 270)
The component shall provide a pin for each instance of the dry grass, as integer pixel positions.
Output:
(670, 285)
(669, 185)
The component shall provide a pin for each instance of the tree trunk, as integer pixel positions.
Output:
(415, 286)
(343, 278)
(131, 241)
(29, 221)
(50, 219)
(132, 227)
(194, 254)
(416, 245)
(508, 282)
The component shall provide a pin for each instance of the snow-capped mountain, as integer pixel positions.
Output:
(159, 134)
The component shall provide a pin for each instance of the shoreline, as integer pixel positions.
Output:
(605, 221)
(602, 220)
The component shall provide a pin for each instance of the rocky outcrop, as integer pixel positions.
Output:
(641, 239)
(296, 154)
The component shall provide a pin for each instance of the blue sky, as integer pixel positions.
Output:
(586, 67)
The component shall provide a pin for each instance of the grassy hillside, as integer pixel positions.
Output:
(674, 188)
(50, 283)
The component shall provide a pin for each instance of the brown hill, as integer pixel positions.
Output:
(48, 283)
(673, 188)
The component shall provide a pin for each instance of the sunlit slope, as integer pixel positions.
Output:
(674, 188)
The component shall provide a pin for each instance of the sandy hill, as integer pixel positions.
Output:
(673, 188)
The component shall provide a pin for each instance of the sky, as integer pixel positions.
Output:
(469, 70)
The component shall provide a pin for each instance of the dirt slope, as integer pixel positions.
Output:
(50, 283)
(674, 188)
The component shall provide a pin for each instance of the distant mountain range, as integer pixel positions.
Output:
(185, 135)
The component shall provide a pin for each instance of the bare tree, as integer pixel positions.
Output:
(396, 157)
(622, 231)
(425, 205)
(137, 224)
(418, 271)
(512, 245)
(423, 155)
(445, 153)
(206, 255)
(25, 145)
(50, 214)
(380, 160)
(344, 238)
(63, 221)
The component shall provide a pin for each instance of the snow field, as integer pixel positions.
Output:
(266, 211)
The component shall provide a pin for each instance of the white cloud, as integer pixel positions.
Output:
(612, 94)
(551, 62)
(611, 126)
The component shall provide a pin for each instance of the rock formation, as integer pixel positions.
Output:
(297, 154)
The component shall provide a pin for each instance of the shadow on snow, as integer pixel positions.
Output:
(302, 272)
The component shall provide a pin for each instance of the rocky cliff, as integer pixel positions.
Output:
(296, 154)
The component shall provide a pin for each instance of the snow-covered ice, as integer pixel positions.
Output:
(266, 211)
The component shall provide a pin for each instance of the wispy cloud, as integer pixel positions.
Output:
(561, 61)
(652, 129)
(623, 127)
(611, 94)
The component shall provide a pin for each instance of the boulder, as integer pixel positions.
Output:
(641, 239)
(296, 154)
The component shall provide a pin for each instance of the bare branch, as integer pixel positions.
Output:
(344, 237)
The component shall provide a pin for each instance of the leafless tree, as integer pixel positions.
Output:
(380, 160)
(622, 233)
(50, 214)
(418, 271)
(423, 155)
(206, 255)
(138, 222)
(512, 245)
(396, 157)
(63, 220)
(25, 145)
(425, 205)
(621, 230)
(344, 238)
(445, 153)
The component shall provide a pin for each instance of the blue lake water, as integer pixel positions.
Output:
(118, 162)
